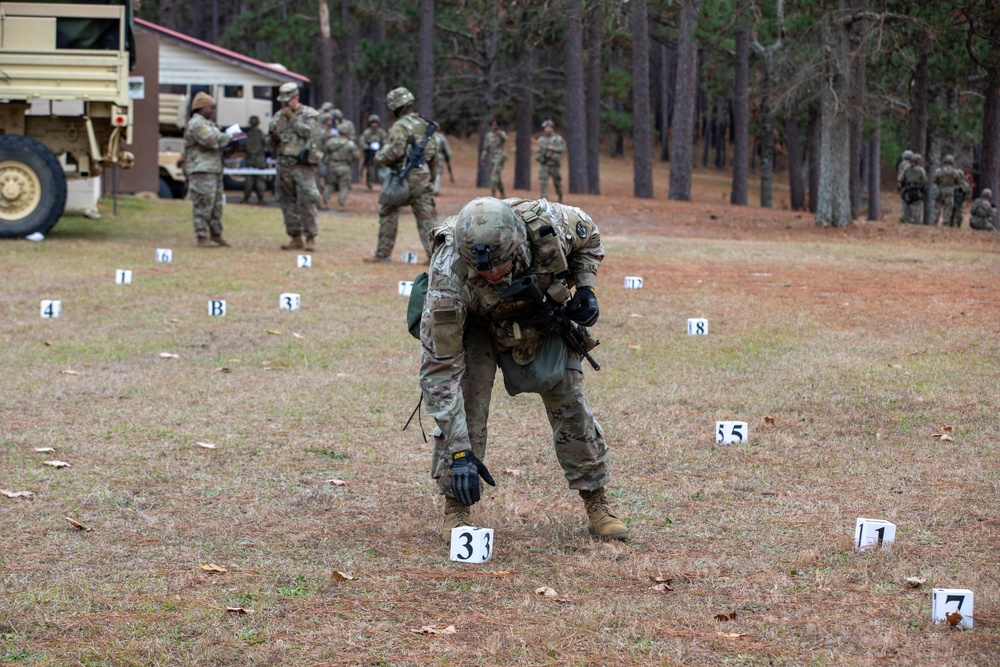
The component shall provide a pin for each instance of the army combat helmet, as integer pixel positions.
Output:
(399, 98)
(949, 159)
(373, 119)
(288, 91)
(907, 154)
(488, 233)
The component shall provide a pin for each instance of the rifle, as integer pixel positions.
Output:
(396, 191)
(415, 157)
(447, 161)
(548, 317)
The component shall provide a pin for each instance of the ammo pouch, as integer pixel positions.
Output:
(912, 194)
(415, 306)
(395, 191)
(544, 372)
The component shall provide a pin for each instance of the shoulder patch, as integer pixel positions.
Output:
(581, 231)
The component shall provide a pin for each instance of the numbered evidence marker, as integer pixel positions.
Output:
(217, 308)
(304, 261)
(164, 255)
(123, 277)
(471, 545)
(870, 533)
(289, 301)
(944, 601)
(409, 257)
(729, 433)
(405, 286)
(633, 282)
(51, 308)
(697, 326)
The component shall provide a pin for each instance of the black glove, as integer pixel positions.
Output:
(583, 308)
(465, 472)
(304, 156)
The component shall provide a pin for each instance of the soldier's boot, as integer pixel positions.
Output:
(376, 259)
(310, 243)
(219, 241)
(294, 244)
(603, 523)
(203, 242)
(455, 514)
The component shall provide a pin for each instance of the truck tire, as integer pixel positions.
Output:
(32, 187)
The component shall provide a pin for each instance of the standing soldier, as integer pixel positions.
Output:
(496, 156)
(203, 144)
(912, 193)
(950, 182)
(256, 159)
(409, 130)
(338, 154)
(905, 163)
(443, 154)
(292, 134)
(550, 148)
(983, 215)
(372, 139)
(344, 126)
(470, 325)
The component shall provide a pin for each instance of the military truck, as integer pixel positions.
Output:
(65, 105)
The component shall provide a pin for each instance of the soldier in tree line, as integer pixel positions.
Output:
(344, 126)
(256, 158)
(914, 182)
(495, 155)
(984, 214)
(338, 154)
(373, 138)
(293, 136)
(409, 130)
(203, 144)
(444, 155)
(468, 328)
(950, 181)
(905, 163)
(548, 154)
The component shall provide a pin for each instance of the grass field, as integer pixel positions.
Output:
(858, 345)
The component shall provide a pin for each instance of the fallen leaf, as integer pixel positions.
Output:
(431, 630)
(16, 494)
(70, 372)
(235, 361)
(45, 449)
(726, 617)
(513, 472)
(731, 635)
(297, 335)
(274, 332)
(206, 445)
(635, 315)
(633, 346)
(895, 366)
(336, 482)
(47, 344)
(341, 576)
(341, 375)
(56, 464)
(661, 579)
(238, 610)
(662, 588)
(915, 582)
(499, 573)
(77, 524)
(546, 591)
(943, 437)
(947, 427)
(222, 369)
(169, 355)
(769, 421)
(954, 618)
(211, 567)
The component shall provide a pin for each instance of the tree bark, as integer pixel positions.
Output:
(766, 120)
(349, 53)
(593, 96)
(525, 112)
(920, 96)
(681, 160)
(576, 117)
(858, 55)
(815, 144)
(875, 172)
(795, 185)
(425, 65)
(325, 53)
(989, 164)
(741, 113)
(642, 150)
(667, 100)
(834, 205)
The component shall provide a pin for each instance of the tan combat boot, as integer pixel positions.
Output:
(294, 244)
(310, 243)
(219, 241)
(204, 242)
(455, 514)
(376, 259)
(603, 523)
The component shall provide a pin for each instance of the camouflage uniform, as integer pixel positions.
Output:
(913, 184)
(372, 139)
(496, 156)
(465, 326)
(338, 153)
(948, 179)
(256, 159)
(444, 156)
(203, 144)
(408, 130)
(297, 191)
(905, 163)
(550, 148)
(983, 215)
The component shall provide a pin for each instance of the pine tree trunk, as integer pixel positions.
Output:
(858, 56)
(795, 185)
(990, 160)
(681, 160)
(815, 141)
(593, 97)
(349, 53)
(666, 100)
(741, 115)
(875, 172)
(642, 150)
(576, 116)
(834, 205)
(425, 65)
(920, 97)
(325, 53)
(525, 112)
(378, 86)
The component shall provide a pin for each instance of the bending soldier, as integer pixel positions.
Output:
(983, 215)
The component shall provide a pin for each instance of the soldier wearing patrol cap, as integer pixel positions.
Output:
(548, 155)
(372, 139)
(203, 145)
(409, 129)
(297, 142)
(469, 327)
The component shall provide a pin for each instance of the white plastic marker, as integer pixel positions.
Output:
(729, 433)
(51, 308)
(123, 277)
(409, 257)
(405, 286)
(633, 282)
(944, 601)
(870, 533)
(304, 262)
(470, 544)
(217, 308)
(164, 255)
(289, 301)
(697, 326)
